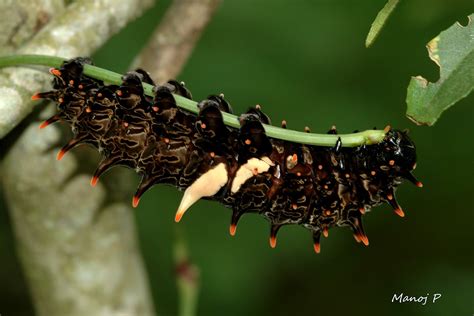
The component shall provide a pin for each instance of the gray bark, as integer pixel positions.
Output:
(24, 19)
(82, 28)
(77, 244)
(80, 256)
(173, 41)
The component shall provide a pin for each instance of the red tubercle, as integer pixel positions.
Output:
(94, 181)
(364, 239)
(135, 201)
(178, 217)
(55, 72)
(399, 212)
(273, 241)
(317, 247)
(36, 96)
(356, 237)
(232, 229)
(50, 121)
(44, 124)
(61, 154)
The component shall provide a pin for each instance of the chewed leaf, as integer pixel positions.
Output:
(453, 51)
(380, 21)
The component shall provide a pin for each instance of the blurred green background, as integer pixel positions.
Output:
(305, 61)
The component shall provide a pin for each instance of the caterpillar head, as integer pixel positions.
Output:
(399, 150)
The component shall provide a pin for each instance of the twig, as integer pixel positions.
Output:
(175, 37)
(348, 140)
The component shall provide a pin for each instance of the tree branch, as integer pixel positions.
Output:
(80, 256)
(174, 39)
(24, 19)
(98, 21)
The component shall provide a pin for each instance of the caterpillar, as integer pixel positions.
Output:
(318, 187)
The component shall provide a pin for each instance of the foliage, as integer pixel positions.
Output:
(380, 21)
(453, 51)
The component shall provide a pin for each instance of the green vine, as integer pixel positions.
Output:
(348, 140)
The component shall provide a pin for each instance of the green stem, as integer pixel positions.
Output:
(368, 137)
(187, 276)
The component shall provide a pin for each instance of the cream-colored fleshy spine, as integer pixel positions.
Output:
(206, 185)
(252, 167)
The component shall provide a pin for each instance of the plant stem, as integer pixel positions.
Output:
(187, 276)
(368, 137)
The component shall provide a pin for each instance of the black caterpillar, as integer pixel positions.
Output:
(288, 183)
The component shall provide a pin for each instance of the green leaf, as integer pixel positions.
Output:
(453, 51)
(380, 21)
